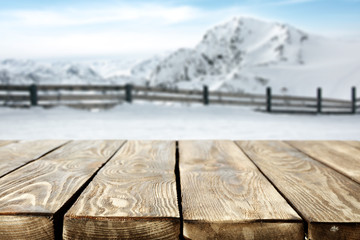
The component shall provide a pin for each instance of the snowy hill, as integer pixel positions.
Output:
(232, 46)
(247, 55)
(26, 72)
(68, 72)
(241, 55)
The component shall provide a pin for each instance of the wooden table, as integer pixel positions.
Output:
(117, 189)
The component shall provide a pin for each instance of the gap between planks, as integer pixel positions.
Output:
(341, 156)
(224, 196)
(326, 199)
(59, 216)
(28, 208)
(133, 197)
(178, 189)
(278, 190)
(16, 155)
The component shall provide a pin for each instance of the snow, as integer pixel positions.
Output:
(248, 55)
(172, 121)
(240, 55)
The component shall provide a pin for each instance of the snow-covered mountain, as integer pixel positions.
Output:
(247, 55)
(120, 71)
(229, 47)
(97, 72)
(27, 71)
(241, 55)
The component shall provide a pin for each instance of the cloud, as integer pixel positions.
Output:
(282, 3)
(119, 28)
(72, 17)
(290, 2)
(108, 30)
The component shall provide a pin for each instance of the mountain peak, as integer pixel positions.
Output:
(233, 45)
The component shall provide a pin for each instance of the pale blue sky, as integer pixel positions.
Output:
(68, 28)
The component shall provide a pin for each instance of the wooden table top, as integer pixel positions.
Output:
(206, 189)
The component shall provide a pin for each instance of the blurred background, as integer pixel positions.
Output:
(253, 69)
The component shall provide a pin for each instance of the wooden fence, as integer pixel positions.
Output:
(106, 96)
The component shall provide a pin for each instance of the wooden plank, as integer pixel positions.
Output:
(33, 198)
(327, 200)
(311, 99)
(293, 98)
(6, 142)
(14, 87)
(224, 196)
(167, 90)
(285, 104)
(4, 97)
(236, 95)
(78, 97)
(292, 111)
(16, 155)
(307, 105)
(236, 102)
(80, 87)
(165, 98)
(132, 197)
(336, 107)
(336, 154)
(332, 100)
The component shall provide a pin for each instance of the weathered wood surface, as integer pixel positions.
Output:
(164, 90)
(224, 196)
(167, 98)
(335, 154)
(6, 142)
(354, 143)
(219, 94)
(80, 87)
(132, 197)
(14, 98)
(15, 155)
(14, 87)
(237, 102)
(32, 198)
(327, 200)
(81, 97)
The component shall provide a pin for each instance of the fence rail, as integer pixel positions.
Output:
(105, 96)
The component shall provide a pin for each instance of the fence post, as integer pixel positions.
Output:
(206, 95)
(268, 99)
(353, 100)
(128, 93)
(319, 106)
(33, 95)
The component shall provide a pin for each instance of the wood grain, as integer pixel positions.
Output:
(224, 196)
(15, 155)
(354, 143)
(40, 189)
(32, 227)
(327, 200)
(244, 230)
(6, 142)
(336, 154)
(132, 197)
